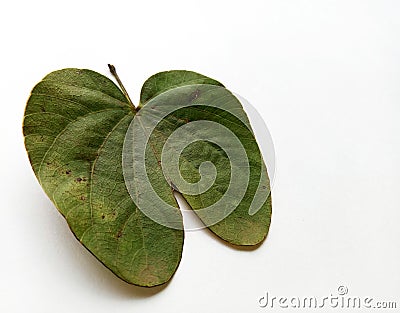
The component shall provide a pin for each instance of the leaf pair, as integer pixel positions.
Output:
(111, 169)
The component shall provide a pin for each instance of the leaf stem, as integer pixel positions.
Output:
(121, 85)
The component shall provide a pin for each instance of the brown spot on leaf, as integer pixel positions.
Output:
(83, 198)
(149, 275)
(68, 172)
(194, 95)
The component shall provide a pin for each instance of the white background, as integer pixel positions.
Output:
(325, 77)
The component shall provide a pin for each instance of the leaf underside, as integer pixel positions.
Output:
(74, 127)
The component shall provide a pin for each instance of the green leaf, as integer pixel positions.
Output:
(164, 81)
(111, 170)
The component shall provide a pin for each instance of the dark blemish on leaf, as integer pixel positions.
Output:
(119, 234)
(78, 180)
(68, 172)
(48, 163)
(152, 107)
(103, 216)
(159, 162)
(194, 95)
(83, 198)
(42, 109)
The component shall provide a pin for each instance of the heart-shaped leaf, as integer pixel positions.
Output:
(111, 169)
